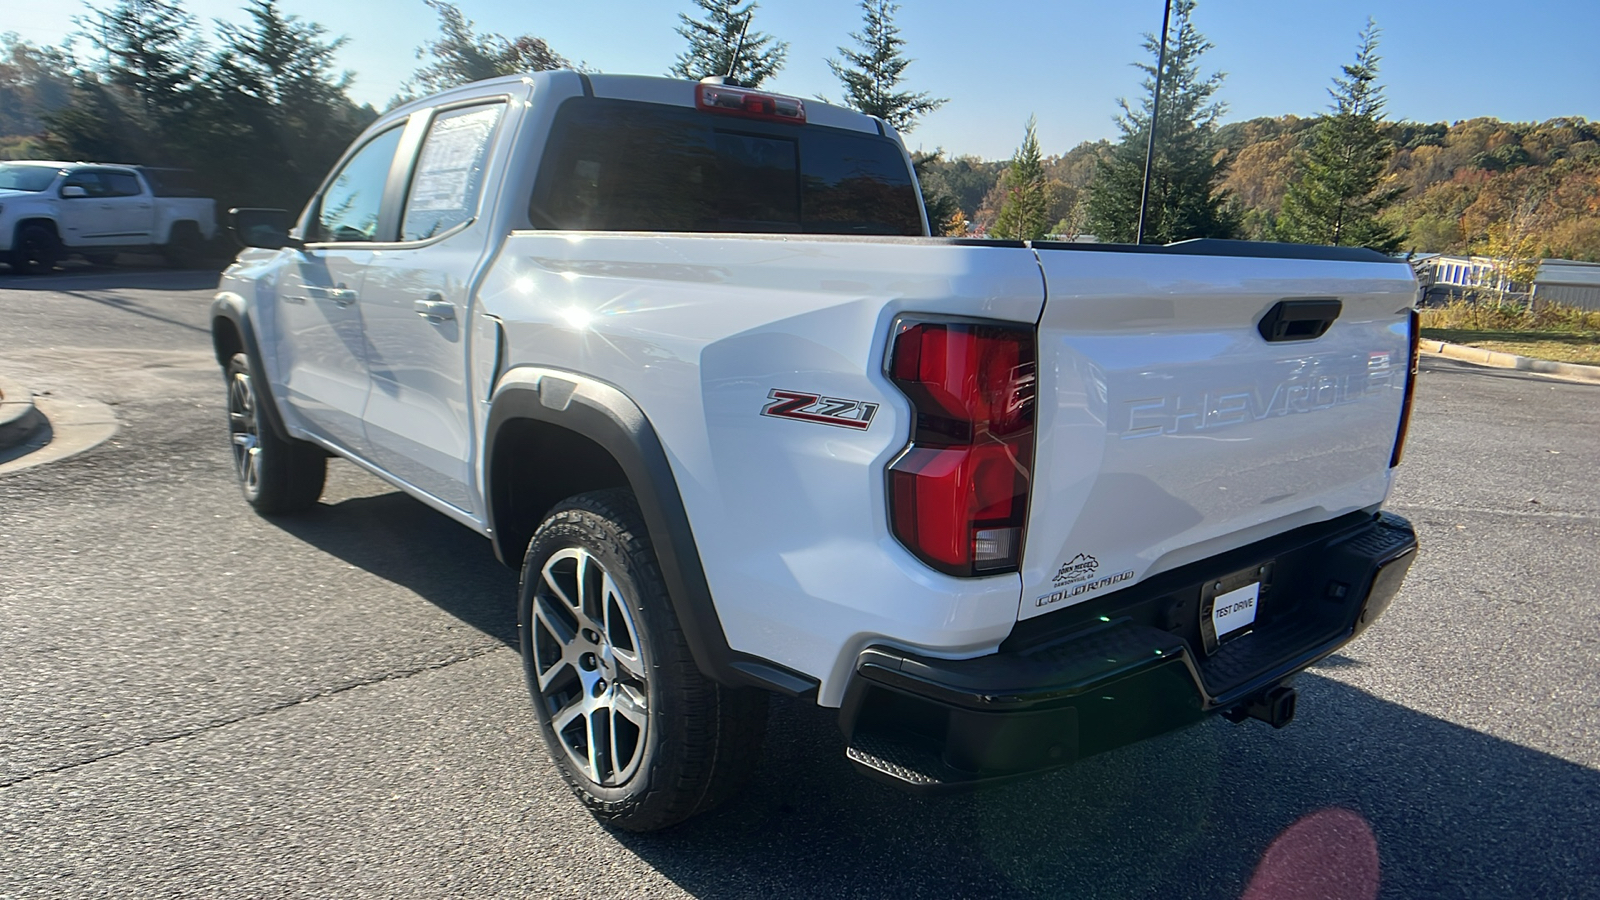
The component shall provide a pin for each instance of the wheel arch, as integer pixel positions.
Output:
(231, 333)
(594, 436)
(46, 221)
(175, 225)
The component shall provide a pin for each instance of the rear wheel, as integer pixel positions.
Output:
(185, 247)
(277, 475)
(639, 734)
(35, 250)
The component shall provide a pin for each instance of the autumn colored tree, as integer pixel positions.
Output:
(1338, 196)
(34, 81)
(461, 55)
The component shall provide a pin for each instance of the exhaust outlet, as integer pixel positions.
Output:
(1274, 707)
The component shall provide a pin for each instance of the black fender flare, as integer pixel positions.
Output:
(608, 417)
(232, 308)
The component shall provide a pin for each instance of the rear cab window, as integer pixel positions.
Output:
(623, 165)
(449, 173)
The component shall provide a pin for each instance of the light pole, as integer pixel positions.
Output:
(1155, 114)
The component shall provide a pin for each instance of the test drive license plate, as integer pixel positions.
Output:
(1228, 605)
(1234, 610)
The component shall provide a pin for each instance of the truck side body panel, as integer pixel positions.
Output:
(789, 515)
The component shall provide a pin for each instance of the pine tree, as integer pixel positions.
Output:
(149, 49)
(287, 114)
(874, 71)
(712, 43)
(938, 202)
(1337, 197)
(462, 56)
(142, 97)
(1186, 171)
(1025, 213)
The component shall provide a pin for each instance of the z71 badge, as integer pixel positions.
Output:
(805, 407)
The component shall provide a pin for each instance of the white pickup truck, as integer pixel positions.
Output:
(50, 210)
(684, 353)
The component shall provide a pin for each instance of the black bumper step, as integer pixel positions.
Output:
(1129, 666)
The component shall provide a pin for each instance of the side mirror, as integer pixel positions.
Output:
(264, 228)
(73, 191)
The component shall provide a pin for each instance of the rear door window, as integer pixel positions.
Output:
(449, 177)
(617, 165)
(121, 184)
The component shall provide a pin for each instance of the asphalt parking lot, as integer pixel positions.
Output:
(198, 701)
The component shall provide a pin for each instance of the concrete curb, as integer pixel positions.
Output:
(1565, 371)
(70, 427)
(19, 419)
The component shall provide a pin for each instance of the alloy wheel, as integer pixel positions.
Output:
(590, 667)
(245, 429)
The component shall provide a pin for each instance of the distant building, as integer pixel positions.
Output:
(1564, 281)
(1569, 283)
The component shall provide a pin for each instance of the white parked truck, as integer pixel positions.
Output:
(686, 355)
(51, 210)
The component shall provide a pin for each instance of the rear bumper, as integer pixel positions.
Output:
(1124, 667)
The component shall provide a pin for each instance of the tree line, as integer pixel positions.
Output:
(260, 111)
(1514, 191)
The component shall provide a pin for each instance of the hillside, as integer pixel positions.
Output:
(1481, 185)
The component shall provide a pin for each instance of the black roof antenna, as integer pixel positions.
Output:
(738, 48)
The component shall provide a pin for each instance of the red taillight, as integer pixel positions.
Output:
(1411, 388)
(958, 495)
(749, 104)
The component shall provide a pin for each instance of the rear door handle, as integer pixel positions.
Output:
(435, 310)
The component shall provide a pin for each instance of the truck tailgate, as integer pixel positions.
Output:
(1170, 429)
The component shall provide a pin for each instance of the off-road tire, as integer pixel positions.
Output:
(287, 474)
(703, 739)
(35, 250)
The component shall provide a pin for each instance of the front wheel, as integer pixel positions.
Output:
(639, 734)
(35, 250)
(277, 475)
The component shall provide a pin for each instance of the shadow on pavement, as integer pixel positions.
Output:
(1455, 813)
(399, 540)
(1452, 812)
(109, 279)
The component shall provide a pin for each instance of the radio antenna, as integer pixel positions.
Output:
(738, 48)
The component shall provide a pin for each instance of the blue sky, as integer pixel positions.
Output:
(1064, 60)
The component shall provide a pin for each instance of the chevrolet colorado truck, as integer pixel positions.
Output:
(50, 210)
(686, 355)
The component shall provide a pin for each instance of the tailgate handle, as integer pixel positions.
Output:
(1299, 320)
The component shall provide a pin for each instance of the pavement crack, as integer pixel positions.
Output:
(400, 675)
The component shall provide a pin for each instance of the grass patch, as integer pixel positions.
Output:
(1490, 315)
(1560, 333)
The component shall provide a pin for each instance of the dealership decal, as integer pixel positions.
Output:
(1083, 588)
(1079, 568)
(804, 407)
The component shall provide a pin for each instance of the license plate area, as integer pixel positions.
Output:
(1230, 606)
